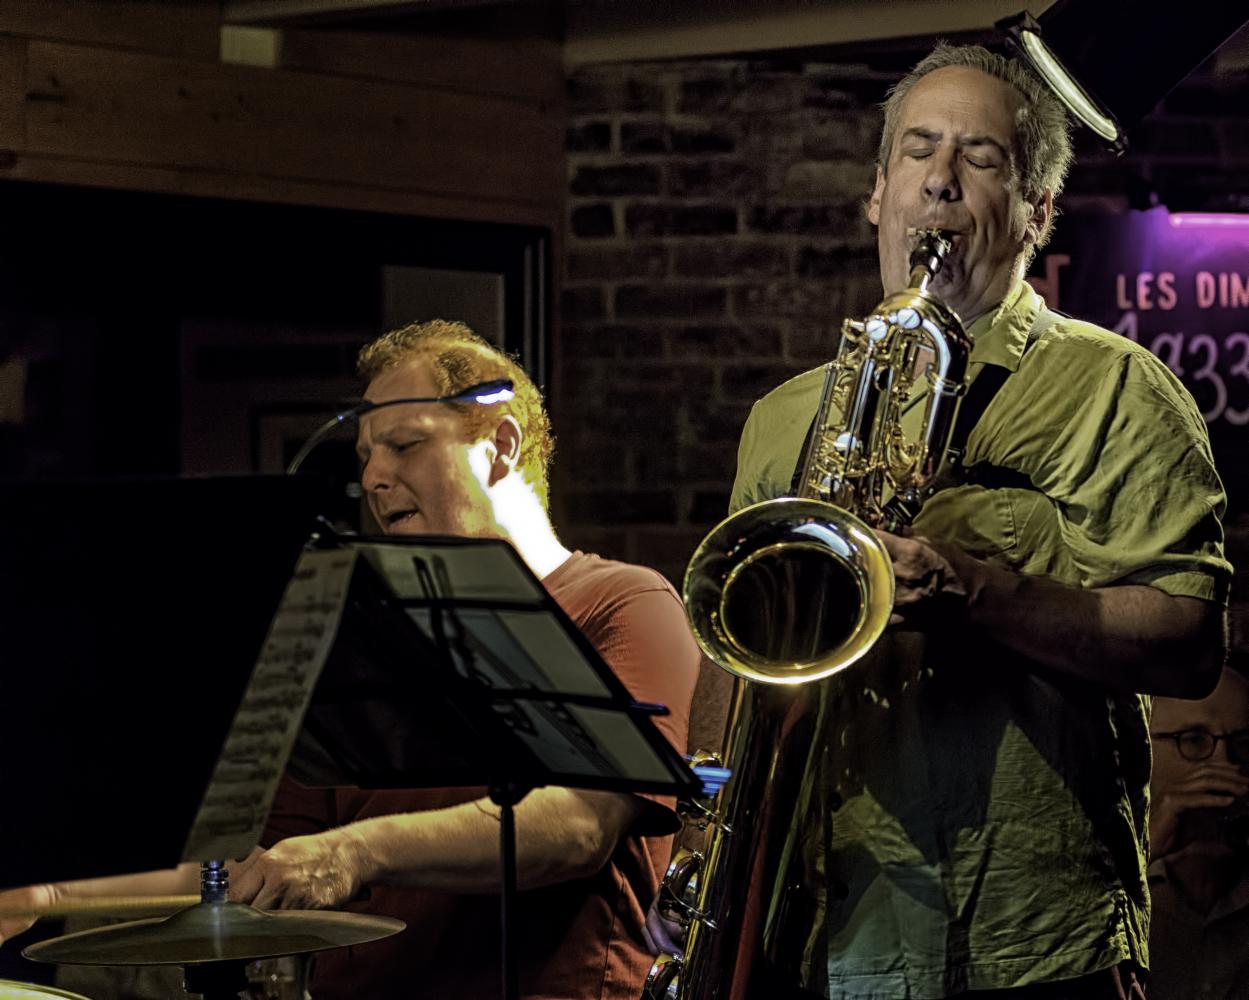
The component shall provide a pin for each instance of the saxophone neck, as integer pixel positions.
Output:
(932, 246)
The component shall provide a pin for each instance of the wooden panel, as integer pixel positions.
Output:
(208, 184)
(12, 91)
(184, 28)
(528, 69)
(150, 110)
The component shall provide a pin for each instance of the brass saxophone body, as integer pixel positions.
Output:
(785, 593)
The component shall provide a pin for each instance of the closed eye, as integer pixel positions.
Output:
(396, 446)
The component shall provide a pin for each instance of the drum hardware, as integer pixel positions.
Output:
(215, 939)
(282, 978)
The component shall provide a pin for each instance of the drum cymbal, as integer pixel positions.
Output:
(10, 990)
(214, 932)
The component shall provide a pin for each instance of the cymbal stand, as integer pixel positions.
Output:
(222, 980)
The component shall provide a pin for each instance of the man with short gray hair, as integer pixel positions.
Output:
(978, 823)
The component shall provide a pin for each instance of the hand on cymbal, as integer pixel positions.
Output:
(28, 897)
(315, 872)
(1210, 785)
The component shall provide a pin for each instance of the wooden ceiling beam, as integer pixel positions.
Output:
(603, 32)
(276, 13)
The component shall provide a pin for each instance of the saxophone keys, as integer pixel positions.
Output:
(678, 895)
(662, 982)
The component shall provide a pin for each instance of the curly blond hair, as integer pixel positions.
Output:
(459, 358)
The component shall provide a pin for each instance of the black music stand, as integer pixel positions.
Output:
(131, 628)
(454, 667)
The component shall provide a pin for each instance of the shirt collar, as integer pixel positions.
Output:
(1000, 335)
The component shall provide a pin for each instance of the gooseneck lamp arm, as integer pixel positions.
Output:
(483, 393)
(1023, 34)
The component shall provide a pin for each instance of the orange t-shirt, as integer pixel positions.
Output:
(579, 940)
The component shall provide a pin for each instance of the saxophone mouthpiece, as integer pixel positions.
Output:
(931, 248)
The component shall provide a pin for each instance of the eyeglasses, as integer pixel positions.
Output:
(1197, 744)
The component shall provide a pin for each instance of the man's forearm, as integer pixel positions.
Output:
(560, 835)
(1130, 638)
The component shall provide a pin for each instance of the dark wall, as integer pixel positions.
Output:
(101, 292)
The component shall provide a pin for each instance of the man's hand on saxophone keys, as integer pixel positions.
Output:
(928, 576)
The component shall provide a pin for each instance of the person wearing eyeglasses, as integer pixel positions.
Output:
(1199, 845)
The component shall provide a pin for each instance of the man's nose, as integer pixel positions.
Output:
(376, 474)
(1225, 753)
(941, 178)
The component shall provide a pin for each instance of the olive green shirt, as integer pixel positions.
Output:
(978, 821)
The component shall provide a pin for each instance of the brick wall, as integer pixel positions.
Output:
(715, 238)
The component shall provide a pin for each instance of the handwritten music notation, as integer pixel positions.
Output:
(237, 801)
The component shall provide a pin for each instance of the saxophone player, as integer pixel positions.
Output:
(978, 824)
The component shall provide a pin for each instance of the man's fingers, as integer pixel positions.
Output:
(674, 944)
(651, 946)
(1224, 781)
(12, 926)
(28, 897)
(668, 944)
(671, 935)
(1189, 801)
(272, 893)
(663, 935)
(245, 886)
(1212, 766)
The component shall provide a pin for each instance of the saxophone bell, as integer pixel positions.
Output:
(788, 591)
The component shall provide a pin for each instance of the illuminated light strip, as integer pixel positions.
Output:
(1065, 86)
(498, 396)
(1209, 219)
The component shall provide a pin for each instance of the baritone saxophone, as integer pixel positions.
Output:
(785, 593)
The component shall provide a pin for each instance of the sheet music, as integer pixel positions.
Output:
(238, 798)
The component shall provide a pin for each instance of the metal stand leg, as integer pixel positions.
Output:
(505, 798)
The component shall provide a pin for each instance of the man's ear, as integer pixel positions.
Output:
(505, 448)
(873, 204)
(1039, 220)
